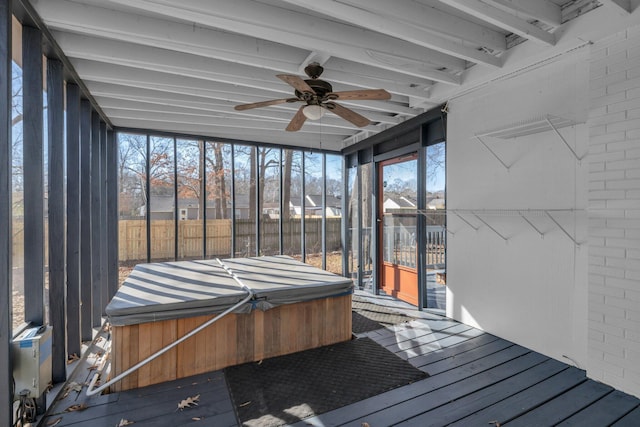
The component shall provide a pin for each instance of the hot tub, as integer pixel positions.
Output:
(294, 307)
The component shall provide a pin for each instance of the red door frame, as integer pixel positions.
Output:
(396, 280)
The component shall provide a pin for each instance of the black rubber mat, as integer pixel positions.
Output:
(286, 389)
(366, 316)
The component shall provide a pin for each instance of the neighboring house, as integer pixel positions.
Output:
(399, 203)
(162, 207)
(313, 206)
(435, 202)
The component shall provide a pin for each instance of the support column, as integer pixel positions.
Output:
(73, 219)
(33, 154)
(104, 275)
(6, 280)
(112, 212)
(86, 331)
(96, 256)
(57, 297)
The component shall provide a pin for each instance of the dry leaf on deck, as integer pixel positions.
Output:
(365, 425)
(78, 407)
(72, 386)
(72, 358)
(189, 402)
(124, 422)
(55, 422)
(496, 423)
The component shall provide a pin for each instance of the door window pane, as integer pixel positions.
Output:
(435, 226)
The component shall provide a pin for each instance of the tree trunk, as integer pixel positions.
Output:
(286, 185)
(222, 190)
(252, 184)
(202, 200)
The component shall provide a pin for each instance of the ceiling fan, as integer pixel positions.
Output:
(318, 97)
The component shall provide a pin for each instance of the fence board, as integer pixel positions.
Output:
(132, 242)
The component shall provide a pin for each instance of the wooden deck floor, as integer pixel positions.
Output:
(476, 379)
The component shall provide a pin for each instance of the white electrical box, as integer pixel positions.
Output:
(31, 357)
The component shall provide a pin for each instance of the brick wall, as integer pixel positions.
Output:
(614, 211)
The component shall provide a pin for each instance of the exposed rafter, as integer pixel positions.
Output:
(542, 10)
(624, 5)
(171, 61)
(412, 34)
(305, 32)
(502, 19)
(185, 66)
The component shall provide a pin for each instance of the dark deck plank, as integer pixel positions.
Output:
(416, 405)
(156, 402)
(483, 398)
(424, 345)
(466, 357)
(524, 400)
(412, 331)
(605, 411)
(475, 378)
(565, 405)
(394, 397)
(632, 419)
(451, 347)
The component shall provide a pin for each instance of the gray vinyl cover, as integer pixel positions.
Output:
(171, 290)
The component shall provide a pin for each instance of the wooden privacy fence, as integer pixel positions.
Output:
(133, 242)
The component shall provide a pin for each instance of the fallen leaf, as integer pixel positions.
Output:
(72, 358)
(77, 407)
(494, 422)
(55, 422)
(196, 419)
(365, 425)
(72, 386)
(189, 402)
(124, 422)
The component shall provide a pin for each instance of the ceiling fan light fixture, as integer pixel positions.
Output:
(313, 112)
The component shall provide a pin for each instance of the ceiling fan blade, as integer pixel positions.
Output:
(347, 114)
(296, 82)
(297, 121)
(373, 94)
(243, 107)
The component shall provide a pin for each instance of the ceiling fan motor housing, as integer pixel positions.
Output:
(320, 87)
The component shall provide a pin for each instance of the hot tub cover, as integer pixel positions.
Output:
(171, 290)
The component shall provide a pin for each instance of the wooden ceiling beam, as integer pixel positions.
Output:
(502, 19)
(542, 10)
(170, 61)
(417, 35)
(284, 26)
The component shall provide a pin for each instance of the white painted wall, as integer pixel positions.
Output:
(614, 202)
(529, 289)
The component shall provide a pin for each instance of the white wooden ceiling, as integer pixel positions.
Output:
(183, 65)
